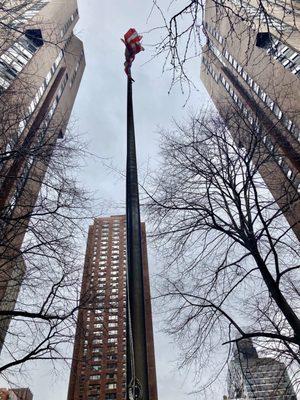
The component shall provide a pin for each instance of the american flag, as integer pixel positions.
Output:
(132, 41)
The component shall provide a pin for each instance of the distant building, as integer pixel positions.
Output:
(99, 357)
(251, 69)
(4, 394)
(252, 377)
(16, 394)
(41, 66)
(23, 394)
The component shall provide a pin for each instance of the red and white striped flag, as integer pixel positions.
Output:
(132, 41)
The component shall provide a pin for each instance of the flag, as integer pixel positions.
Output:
(132, 41)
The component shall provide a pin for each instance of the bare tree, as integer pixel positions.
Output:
(46, 267)
(231, 262)
(43, 209)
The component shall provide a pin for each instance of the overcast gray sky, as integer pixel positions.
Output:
(100, 114)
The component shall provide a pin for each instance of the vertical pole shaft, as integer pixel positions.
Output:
(137, 371)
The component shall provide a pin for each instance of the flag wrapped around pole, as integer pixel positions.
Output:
(136, 349)
(132, 41)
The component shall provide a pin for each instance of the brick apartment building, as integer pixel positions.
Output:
(16, 394)
(99, 357)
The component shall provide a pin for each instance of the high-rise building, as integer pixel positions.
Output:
(16, 394)
(251, 69)
(41, 65)
(252, 377)
(99, 358)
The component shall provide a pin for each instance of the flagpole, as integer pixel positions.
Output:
(137, 365)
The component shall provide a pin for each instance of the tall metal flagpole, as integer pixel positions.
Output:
(137, 371)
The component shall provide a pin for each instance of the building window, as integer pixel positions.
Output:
(97, 341)
(290, 174)
(245, 76)
(111, 376)
(269, 102)
(96, 350)
(112, 357)
(256, 87)
(263, 95)
(94, 377)
(94, 387)
(110, 396)
(112, 385)
(277, 111)
(264, 40)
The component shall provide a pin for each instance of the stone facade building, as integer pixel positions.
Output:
(41, 65)
(251, 69)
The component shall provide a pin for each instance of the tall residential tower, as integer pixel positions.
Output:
(41, 65)
(99, 357)
(260, 378)
(251, 69)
